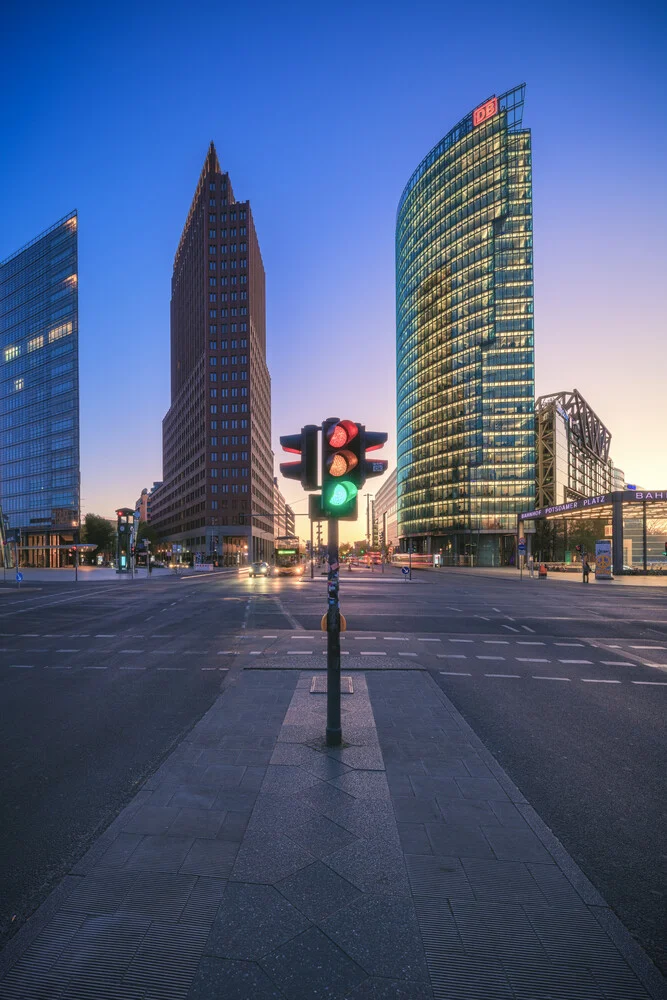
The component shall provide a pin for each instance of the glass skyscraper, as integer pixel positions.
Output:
(39, 393)
(464, 339)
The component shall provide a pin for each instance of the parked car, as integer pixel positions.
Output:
(258, 569)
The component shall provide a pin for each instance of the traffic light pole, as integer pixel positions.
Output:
(334, 731)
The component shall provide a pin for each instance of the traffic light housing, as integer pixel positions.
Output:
(372, 441)
(305, 446)
(341, 468)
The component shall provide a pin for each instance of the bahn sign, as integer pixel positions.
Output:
(564, 508)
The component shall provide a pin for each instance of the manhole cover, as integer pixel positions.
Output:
(318, 685)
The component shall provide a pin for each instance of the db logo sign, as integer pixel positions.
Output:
(485, 111)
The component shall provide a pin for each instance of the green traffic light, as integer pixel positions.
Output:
(339, 499)
(342, 493)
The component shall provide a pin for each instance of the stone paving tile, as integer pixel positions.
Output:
(224, 979)
(280, 812)
(496, 929)
(409, 809)
(481, 788)
(512, 844)
(369, 818)
(158, 895)
(414, 839)
(204, 901)
(233, 827)
(363, 784)
(322, 837)
(381, 934)
(311, 965)
(152, 820)
(288, 778)
(197, 823)
(455, 841)
(103, 948)
(191, 797)
(268, 857)
(235, 800)
(427, 787)
(372, 866)
(210, 857)
(317, 891)
(391, 989)
(159, 854)
(502, 882)
(120, 850)
(166, 960)
(468, 812)
(102, 891)
(252, 921)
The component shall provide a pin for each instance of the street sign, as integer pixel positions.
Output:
(19, 577)
(405, 570)
(522, 548)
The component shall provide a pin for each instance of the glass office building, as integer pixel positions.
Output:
(39, 394)
(464, 332)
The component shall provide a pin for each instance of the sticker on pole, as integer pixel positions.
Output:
(19, 577)
(405, 571)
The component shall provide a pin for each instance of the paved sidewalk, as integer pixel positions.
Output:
(258, 865)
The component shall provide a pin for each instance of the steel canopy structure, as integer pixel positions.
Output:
(620, 508)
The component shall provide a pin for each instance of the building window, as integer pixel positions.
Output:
(213, 409)
(212, 313)
(214, 442)
(214, 488)
(211, 265)
(212, 282)
(19, 384)
(214, 456)
(244, 343)
(214, 504)
(244, 390)
(213, 473)
(211, 202)
(213, 376)
(213, 361)
(213, 328)
(212, 218)
(212, 297)
(213, 393)
(212, 249)
(211, 234)
(36, 343)
(212, 345)
(12, 352)
(57, 332)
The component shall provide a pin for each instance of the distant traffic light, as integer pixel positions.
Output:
(341, 468)
(304, 445)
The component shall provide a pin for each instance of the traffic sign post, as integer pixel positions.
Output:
(522, 554)
(19, 579)
(344, 469)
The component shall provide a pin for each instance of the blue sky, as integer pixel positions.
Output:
(320, 113)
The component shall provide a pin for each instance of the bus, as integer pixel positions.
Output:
(288, 557)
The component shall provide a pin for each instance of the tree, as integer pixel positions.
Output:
(149, 532)
(97, 530)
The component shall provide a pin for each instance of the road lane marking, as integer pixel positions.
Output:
(537, 677)
(308, 638)
(580, 645)
(130, 650)
(428, 640)
(368, 652)
(460, 640)
(530, 642)
(394, 638)
(22, 666)
(648, 647)
(67, 651)
(36, 635)
(263, 637)
(496, 642)
(651, 683)
(510, 627)
(482, 617)
(451, 656)
(299, 652)
(100, 635)
(227, 652)
(586, 662)
(596, 680)
(454, 673)
(497, 609)
(407, 654)
(503, 675)
(361, 638)
(480, 657)
(527, 629)
(530, 659)
(618, 663)
(255, 652)
(99, 667)
(450, 608)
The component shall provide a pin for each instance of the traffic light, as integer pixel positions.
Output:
(341, 468)
(372, 441)
(304, 445)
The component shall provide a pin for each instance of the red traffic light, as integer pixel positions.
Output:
(342, 433)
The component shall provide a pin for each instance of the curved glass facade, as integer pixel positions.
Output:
(39, 390)
(464, 339)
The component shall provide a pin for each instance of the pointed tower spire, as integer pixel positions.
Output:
(212, 163)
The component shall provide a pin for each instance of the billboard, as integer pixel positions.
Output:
(603, 559)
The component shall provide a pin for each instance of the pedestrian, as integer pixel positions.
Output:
(587, 569)
(531, 566)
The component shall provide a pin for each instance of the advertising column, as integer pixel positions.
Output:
(603, 559)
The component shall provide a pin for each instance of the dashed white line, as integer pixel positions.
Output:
(597, 680)
(480, 657)
(394, 638)
(454, 673)
(496, 642)
(617, 663)
(527, 629)
(497, 609)
(428, 640)
(100, 635)
(29, 635)
(67, 651)
(171, 669)
(407, 654)
(360, 638)
(309, 638)
(651, 683)
(585, 662)
(648, 647)
(99, 667)
(451, 656)
(263, 637)
(531, 659)
(503, 675)
(460, 640)
(510, 627)
(22, 666)
(530, 642)
(299, 652)
(255, 652)
(537, 677)
(368, 652)
(580, 645)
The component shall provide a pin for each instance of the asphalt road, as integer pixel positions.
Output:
(566, 685)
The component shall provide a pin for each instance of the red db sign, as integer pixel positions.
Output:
(485, 111)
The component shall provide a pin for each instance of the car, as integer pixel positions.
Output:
(258, 569)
